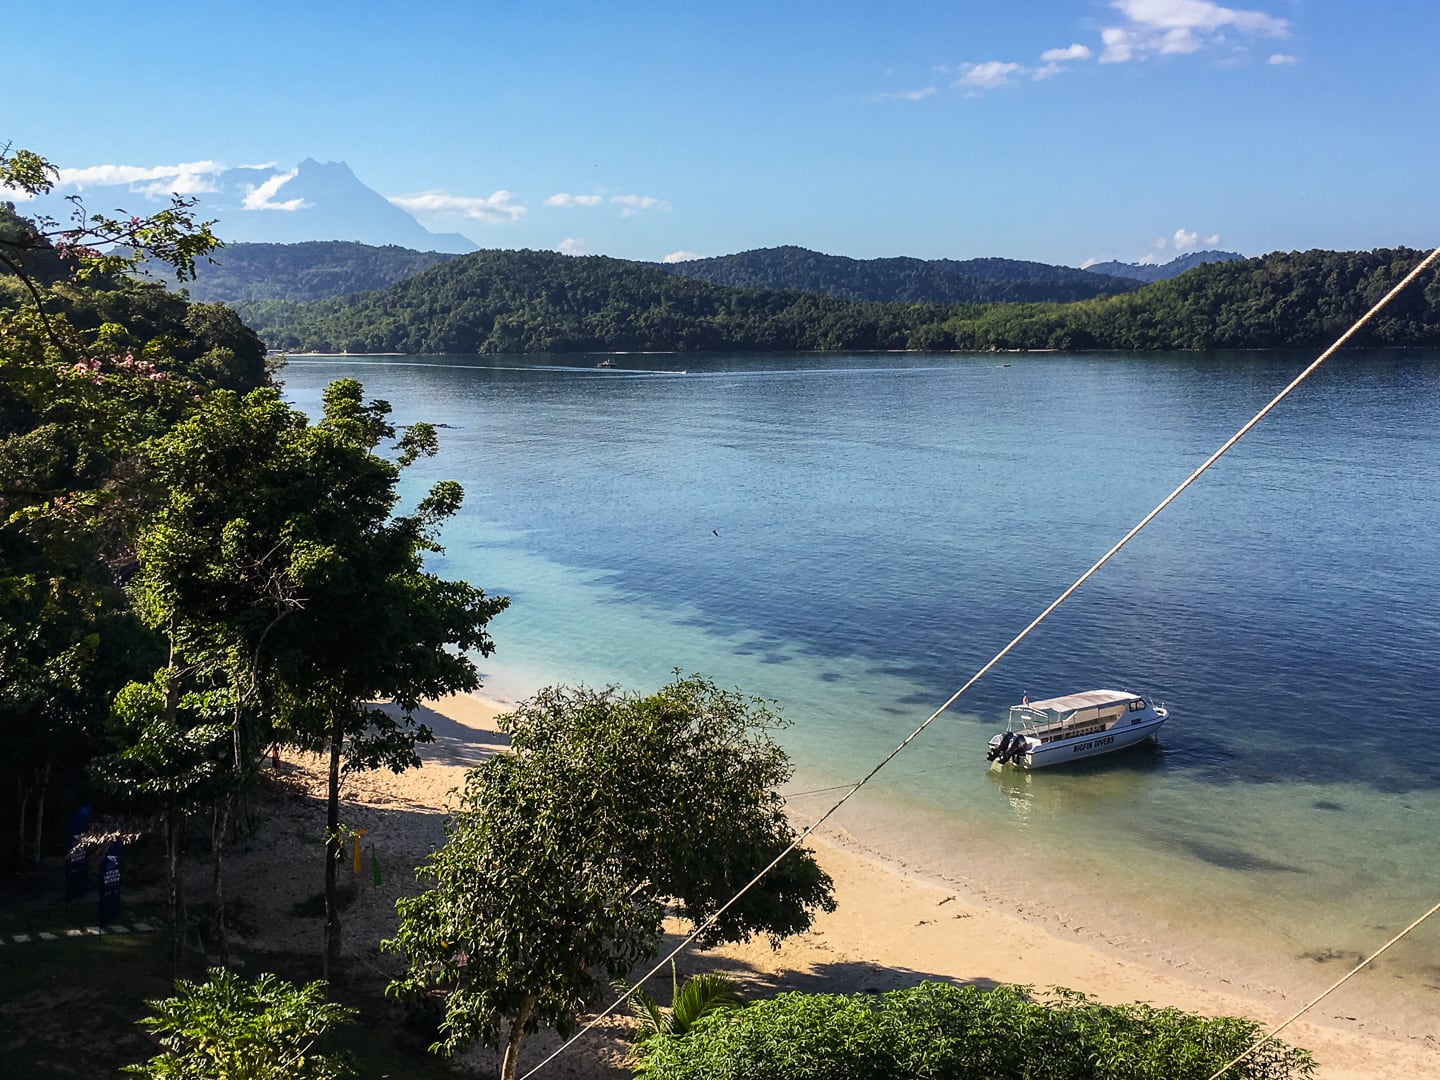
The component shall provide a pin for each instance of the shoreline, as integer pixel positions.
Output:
(894, 926)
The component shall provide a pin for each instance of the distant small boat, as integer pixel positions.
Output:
(607, 362)
(1075, 726)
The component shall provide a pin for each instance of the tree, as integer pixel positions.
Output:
(556, 870)
(274, 564)
(228, 1029)
(170, 762)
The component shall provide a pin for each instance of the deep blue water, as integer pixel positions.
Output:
(854, 536)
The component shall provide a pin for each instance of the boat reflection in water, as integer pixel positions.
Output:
(1089, 789)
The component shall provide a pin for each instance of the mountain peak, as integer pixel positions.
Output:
(316, 200)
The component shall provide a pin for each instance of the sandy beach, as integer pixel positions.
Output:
(891, 929)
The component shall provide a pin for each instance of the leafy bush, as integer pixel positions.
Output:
(936, 1031)
(226, 1028)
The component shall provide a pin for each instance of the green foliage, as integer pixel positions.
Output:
(556, 869)
(166, 754)
(528, 301)
(228, 1029)
(942, 1032)
(701, 996)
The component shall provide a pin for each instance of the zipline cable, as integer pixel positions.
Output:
(1419, 268)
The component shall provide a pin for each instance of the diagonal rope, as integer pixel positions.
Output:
(1420, 268)
(1322, 996)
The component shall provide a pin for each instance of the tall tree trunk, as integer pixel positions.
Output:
(331, 960)
(23, 794)
(511, 1062)
(172, 817)
(220, 823)
(172, 875)
(42, 786)
(22, 798)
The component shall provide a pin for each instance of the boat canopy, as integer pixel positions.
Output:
(1090, 699)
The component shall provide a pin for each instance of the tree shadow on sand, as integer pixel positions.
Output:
(824, 977)
(455, 743)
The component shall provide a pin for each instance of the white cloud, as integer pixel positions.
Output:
(187, 178)
(1177, 27)
(561, 199)
(262, 196)
(1070, 52)
(630, 204)
(681, 256)
(1282, 58)
(496, 208)
(570, 246)
(995, 74)
(633, 204)
(990, 75)
(1198, 15)
(907, 95)
(1088, 263)
(1181, 241)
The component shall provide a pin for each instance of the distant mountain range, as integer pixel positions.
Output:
(317, 270)
(1148, 272)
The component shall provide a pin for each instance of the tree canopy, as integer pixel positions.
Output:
(556, 870)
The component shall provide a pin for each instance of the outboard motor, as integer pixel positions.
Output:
(999, 751)
(1016, 749)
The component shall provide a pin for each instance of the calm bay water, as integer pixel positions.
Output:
(854, 536)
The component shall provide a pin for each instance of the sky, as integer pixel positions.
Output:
(1062, 132)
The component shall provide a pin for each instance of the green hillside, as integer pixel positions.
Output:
(532, 301)
(904, 280)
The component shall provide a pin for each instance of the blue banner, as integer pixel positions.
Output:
(110, 885)
(77, 858)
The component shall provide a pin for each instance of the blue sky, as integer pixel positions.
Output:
(1060, 132)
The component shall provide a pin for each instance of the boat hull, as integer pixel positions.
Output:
(1040, 755)
(1063, 750)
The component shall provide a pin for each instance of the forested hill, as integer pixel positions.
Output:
(314, 270)
(533, 301)
(542, 301)
(1148, 272)
(911, 281)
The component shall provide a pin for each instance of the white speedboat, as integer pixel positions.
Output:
(1075, 726)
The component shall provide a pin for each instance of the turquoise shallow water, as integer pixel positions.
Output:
(854, 536)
